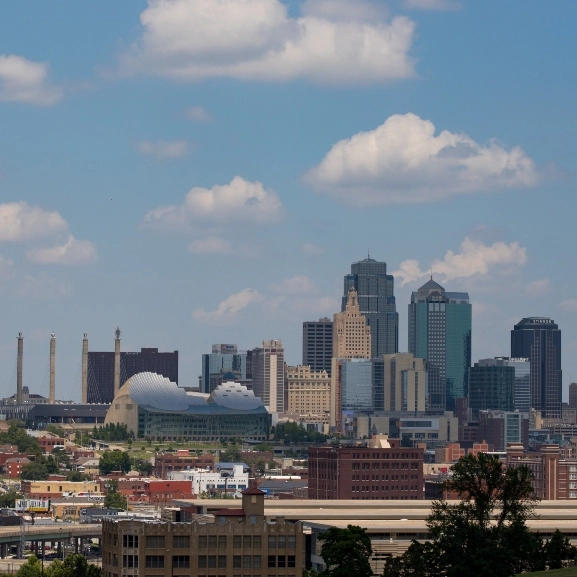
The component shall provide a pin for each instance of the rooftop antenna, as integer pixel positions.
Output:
(368, 253)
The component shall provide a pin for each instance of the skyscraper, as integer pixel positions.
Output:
(351, 333)
(440, 333)
(491, 386)
(377, 302)
(268, 375)
(521, 402)
(318, 344)
(539, 340)
(224, 357)
(573, 395)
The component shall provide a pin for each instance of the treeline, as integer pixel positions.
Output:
(294, 433)
(110, 433)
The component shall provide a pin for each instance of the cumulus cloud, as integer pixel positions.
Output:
(163, 149)
(72, 252)
(474, 258)
(23, 80)
(239, 201)
(298, 284)
(569, 305)
(538, 287)
(403, 161)
(329, 42)
(310, 249)
(433, 4)
(198, 114)
(21, 222)
(229, 307)
(218, 245)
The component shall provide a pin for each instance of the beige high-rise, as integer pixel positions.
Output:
(351, 334)
(308, 393)
(405, 383)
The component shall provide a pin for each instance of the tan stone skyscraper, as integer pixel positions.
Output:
(351, 334)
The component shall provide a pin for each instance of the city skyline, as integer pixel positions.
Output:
(208, 192)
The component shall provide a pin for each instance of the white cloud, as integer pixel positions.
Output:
(163, 149)
(538, 287)
(229, 307)
(475, 258)
(23, 80)
(298, 284)
(21, 222)
(190, 40)
(239, 201)
(72, 252)
(218, 245)
(309, 249)
(198, 114)
(403, 161)
(433, 4)
(569, 305)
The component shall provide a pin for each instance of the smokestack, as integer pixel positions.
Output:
(52, 393)
(117, 361)
(19, 369)
(85, 369)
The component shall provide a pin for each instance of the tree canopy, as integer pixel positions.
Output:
(17, 435)
(295, 433)
(485, 533)
(114, 461)
(346, 552)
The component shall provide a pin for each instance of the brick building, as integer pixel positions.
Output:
(180, 461)
(163, 492)
(238, 542)
(381, 470)
(48, 443)
(13, 466)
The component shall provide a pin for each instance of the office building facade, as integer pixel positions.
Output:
(224, 358)
(268, 375)
(375, 290)
(522, 396)
(491, 386)
(440, 332)
(539, 340)
(351, 332)
(573, 395)
(101, 370)
(308, 393)
(318, 344)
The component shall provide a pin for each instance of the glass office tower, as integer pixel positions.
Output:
(376, 302)
(539, 340)
(224, 357)
(440, 333)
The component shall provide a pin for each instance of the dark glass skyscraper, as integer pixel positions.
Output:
(491, 386)
(539, 340)
(376, 302)
(318, 344)
(440, 333)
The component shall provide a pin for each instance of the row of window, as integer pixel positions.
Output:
(365, 466)
(383, 477)
(367, 488)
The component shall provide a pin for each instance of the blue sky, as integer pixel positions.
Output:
(203, 171)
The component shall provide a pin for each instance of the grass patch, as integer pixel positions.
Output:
(567, 572)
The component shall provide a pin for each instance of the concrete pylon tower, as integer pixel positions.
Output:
(52, 390)
(85, 369)
(117, 361)
(19, 369)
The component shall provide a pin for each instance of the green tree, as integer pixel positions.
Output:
(557, 550)
(114, 461)
(8, 499)
(16, 435)
(34, 471)
(74, 565)
(231, 455)
(485, 533)
(56, 430)
(115, 500)
(346, 552)
(32, 568)
(74, 476)
(144, 468)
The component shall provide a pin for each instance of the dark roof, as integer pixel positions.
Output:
(253, 491)
(230, 513)
(432, 285)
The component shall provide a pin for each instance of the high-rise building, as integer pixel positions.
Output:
(224, 357)
(440, 333)
(268, 375)
(377, 302)
(499, 428)
(351, 333)
(100, 371)
(539, 340)
(308, 393)
(318, 344)
(573, 395)
(404, 383)
(521, 402)
(491, 386)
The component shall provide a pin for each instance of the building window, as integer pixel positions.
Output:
(272, 561)
(271, 542)
(256, 542)
(202, 562)
(247, 542)
(237, 541)
(154, 562)
(237, 561)
(212, 541)
(222, 541)
(130, 561)
(202, 541)
(281, 561)
(291, 561)
(212, 561)
(180, 542)
(246, 561)
(130, 541)
(282, 541)
(222, 561)
(181, 561)
(291, 541)
(154, 541)
(256, 561)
